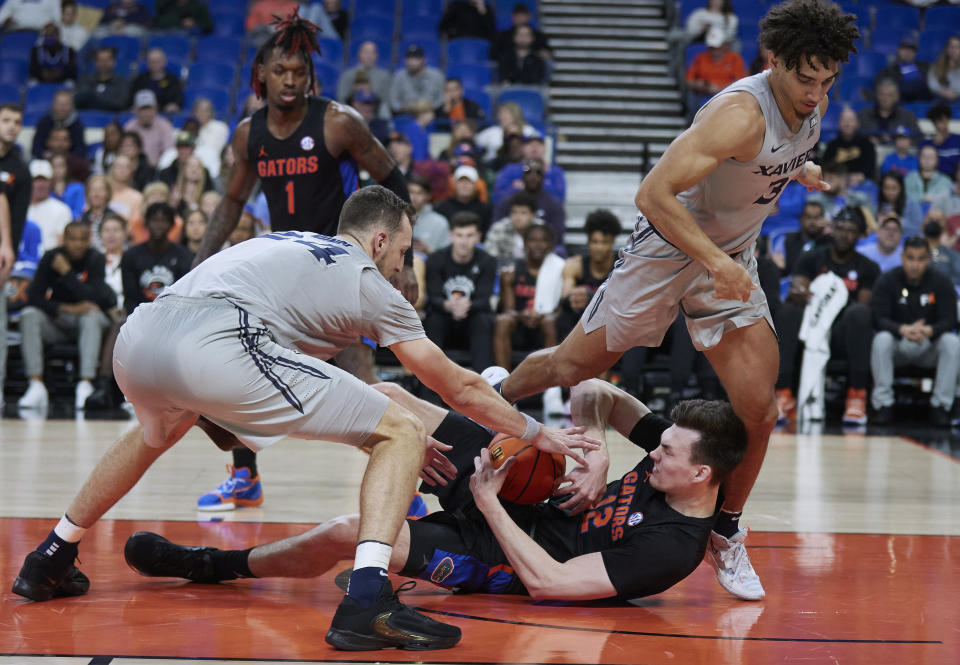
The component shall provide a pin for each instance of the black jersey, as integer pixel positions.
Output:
(304, 184)
(586, 277)
(524, 286)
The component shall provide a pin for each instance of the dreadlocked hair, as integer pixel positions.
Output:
(293, 34)
(805, 29)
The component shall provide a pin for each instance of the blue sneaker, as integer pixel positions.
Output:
(418, 508)
(237, 491)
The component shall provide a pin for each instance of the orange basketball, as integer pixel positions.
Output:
(534, 474)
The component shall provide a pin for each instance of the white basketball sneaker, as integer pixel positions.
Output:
(729, 558)
(36, 396)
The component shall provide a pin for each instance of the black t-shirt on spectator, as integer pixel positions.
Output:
(895, 302)
(146, 275)
(857, 273)
(857, 154)
(527, 70)
(168, 90)
(473, 280)
(450, 207)
(83, 282)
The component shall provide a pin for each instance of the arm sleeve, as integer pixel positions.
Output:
(389, 317)
(648, 430)
(882, 306)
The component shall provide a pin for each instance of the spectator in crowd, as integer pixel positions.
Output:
(193, 228)
(367, 56)
(521, 16)
(156, 132)
(65, 188)
(62, 114)
(338, 16)
(902, 160)
(892, 198)
(881, 120)
(463, 134)
(415, 81)
(455, 106)
(212, 135)
(28, 14)
(72, 33)
(417, 132)
(261, 14)
(529, 296)
(549, 207)
(909, 74)
(504, 240)
(510, 177)
(366, 104)
(209, 202)
(154, 192)
(186, 148)
(584, 273)
(714, 69)
(520, 64)
(944, 75)
(468, 18)
(948, 201)
(915, 314)
(125, 200)
(131, 145)
(52, 61)
(189, 15)
(51, 215)
(68, 300)
(58, 143)
(124, 17)
(98, 194)
(465, 198)
(150, 267)
(851, 328)
(947, 144)
(431, 233)
(718, 14)
(166, 86)
(509, 121)
(246, 228)
(926, 183)
(838, 197)
(814, 232)
(511, 152)
(192, 182)
(886, 246)
(105, 89)
(852, 149)
(943, 257)
(460, 281)
(103, 158)
(402, 151)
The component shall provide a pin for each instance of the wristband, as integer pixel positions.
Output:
(532, 430)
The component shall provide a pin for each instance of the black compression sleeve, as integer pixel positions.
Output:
(646, 433)
(397, 184)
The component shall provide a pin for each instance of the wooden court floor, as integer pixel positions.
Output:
(856, 538)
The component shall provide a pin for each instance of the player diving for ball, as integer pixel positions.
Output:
(644, 532)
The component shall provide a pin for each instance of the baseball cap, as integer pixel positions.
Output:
(41, 168)
(908, 41)
(902, 130)
(464, 148)
(467, 172)
(715, 37)
(415, 51)
(535, 136)
(852, 215)
(185, 138)
(144, 98)
(399, 137)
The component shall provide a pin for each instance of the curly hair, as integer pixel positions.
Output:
(807, 29)
(292, 34)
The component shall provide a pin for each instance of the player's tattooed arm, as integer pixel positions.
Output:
(227, 213)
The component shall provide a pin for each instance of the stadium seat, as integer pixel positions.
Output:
(431, 48)
(95, 118)
(40, 96)
(849, 88)
(17, 45)
(327, 75)
(468, 51)
(919, 109)
(781, 223)
(384, 7)
(9, 93)
(936, 18)
(481, 98)
(504, 12)
(218, 74)
(128, 48)
(228, 23)
(219, 98)
(691, 52)
(173, 45)
(331, 49)
(868, 63)
(932, 42)
(219, 48)
(14, 72)
(422, 8)
(902, 16)
(373, 27)
(95, 4)
(792, 199)
(412, 25)
(886, 38)
(530, 102)
(224, 5)
(473, 77)
(384, 49)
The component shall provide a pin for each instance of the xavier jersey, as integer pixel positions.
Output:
(730, 204)
(304, 184)
(314, 293)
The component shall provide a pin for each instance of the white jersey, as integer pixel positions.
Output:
(315, 293)
(730, 204)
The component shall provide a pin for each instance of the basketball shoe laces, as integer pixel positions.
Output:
(736, 562)
(229, 486)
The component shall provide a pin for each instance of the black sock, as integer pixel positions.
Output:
(231, 564)
(727, 524)
(58, 549)
(244, 457)
(365, 585)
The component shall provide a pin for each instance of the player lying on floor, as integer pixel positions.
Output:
(636, 536)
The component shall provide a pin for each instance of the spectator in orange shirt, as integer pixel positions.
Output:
(714, 69)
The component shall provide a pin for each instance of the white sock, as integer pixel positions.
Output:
(372, 554)
(69, 531)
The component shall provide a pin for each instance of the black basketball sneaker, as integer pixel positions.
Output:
(388, 623)
(153, 555)
(41, 579)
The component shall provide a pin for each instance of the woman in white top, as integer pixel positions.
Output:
(943, 79)
(212, 137)
(717, 13)
(112, 235)
(509, 121)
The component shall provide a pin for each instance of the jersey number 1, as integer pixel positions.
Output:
(291, 208)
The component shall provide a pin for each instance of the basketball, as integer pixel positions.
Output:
(534, 473)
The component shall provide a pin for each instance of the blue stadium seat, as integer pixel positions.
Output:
(225, 5)
(40, 96)
(792, 199)
(692, 51)
(219, 97)
(932, 41)
(422, 8)
(327, 75)
(869, 63)
(886, 38)
(219, 48)
(468, 51)
(32, 116)
(229, 23)
(218, 74)
(415, 24)
(431, 49)
(504, 11)
(17, 45)
(530, 102)
(173, 45)
(481, 98)
(95, 118)
(385, 7)
(384, 48)
(128, 48)
(374, 27)
(936, 18)
(96, 4)
(748, 33)
(331, 49)
(919, 109)
(776, 224)
(9, 93)
(849, 86)
(14, 72)
(902, 16)
(472, 76)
